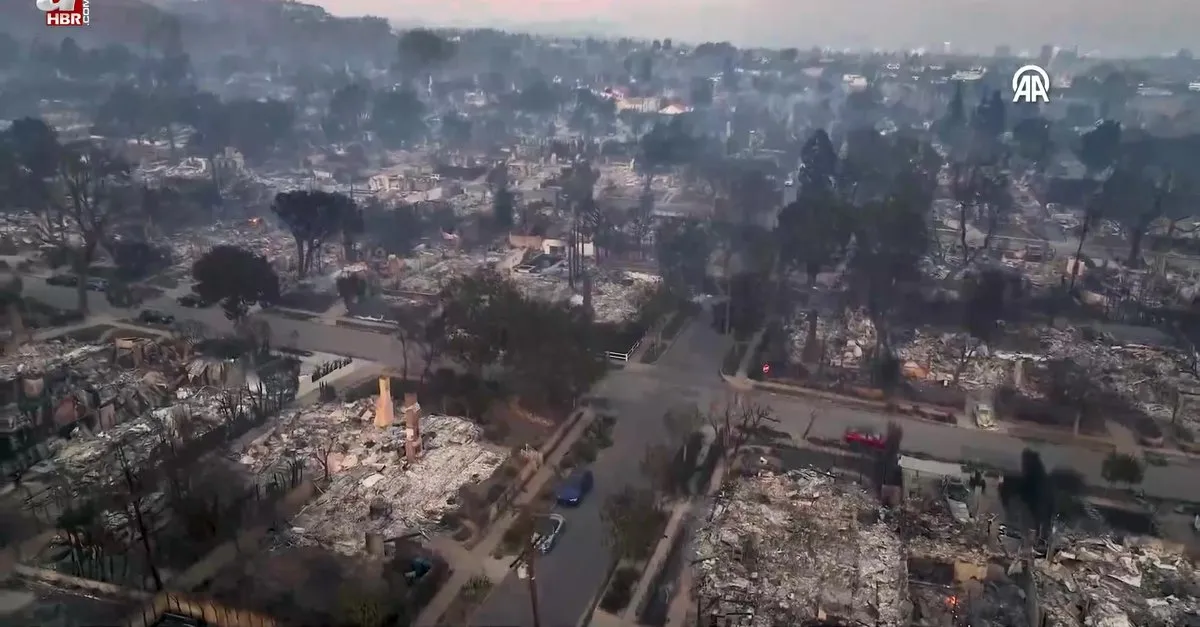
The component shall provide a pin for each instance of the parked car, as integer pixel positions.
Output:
(956, 496)
(97, 285)
(191, 300)
(155, 317)
(985, 417)
(858, 437)
(572, 491)
(544, 541)
(63, 280)
(1016, 538)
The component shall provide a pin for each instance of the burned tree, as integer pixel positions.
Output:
(736, 422)
(982, 194)
(134, 485)
(983, 309)
(321, 454)
(89, 193)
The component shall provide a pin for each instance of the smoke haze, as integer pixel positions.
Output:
(1147, 27)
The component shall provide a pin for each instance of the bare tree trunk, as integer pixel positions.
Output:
(300, 257)
(1083, 233)
(81, 287)
(964, 357)
(138, 518)
(1135, 247)
(17, 325)
(404, 351)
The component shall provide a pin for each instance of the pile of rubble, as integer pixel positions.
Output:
(615, 295)
(1097, 582)
(430, 270)
(25, 230)
(374, 489)
(846, 338)
(258, 237)
(1148, 376)
(785, 549)
(49, 356)
(938, 357)
(91, 460)
(64, 382)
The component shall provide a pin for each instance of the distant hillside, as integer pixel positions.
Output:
(559, 28)
(568, 28)
(298, 32)
(112, 21)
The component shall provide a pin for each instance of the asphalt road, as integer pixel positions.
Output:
(571, 575)
(1175, 481)
(308, 335)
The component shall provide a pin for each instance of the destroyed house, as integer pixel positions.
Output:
(80, 389)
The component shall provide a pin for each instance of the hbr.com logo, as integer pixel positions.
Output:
(66, 12)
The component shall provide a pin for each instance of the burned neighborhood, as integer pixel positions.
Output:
(310, 318)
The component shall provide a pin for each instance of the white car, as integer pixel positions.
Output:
(956, 497)
(544, 541)
(985, 417)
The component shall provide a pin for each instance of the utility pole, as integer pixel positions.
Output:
(531, 560)
(527, 560)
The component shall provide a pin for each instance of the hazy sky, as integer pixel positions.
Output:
(1142, 26)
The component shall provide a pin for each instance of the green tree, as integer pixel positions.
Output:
(312, 217)
(236, 278)
(503, 208)
(1033, 141)
(397, 117)
(552, 353)
(347, 112)
(1100, 147)
(891, 236)
(420, 50)
(810, 233)
(477, 310)
(683, 248)
(1122, 468)
(362, 606)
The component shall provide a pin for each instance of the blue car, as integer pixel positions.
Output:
(575, 488)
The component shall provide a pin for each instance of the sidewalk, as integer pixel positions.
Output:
(478, 560)
(675, 526)
(751, 351)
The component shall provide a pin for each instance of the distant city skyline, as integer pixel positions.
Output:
(1151, 27)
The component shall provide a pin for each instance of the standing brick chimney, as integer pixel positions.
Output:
(384, 416)
(412, 427)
